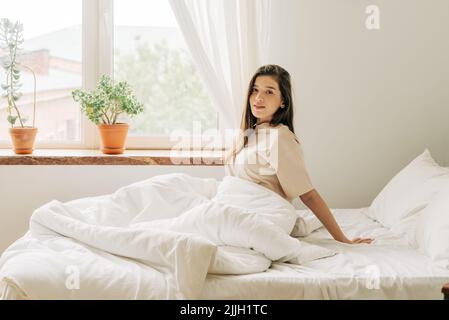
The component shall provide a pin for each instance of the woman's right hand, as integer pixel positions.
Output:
(360, 240)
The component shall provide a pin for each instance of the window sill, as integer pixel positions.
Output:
(96, 157)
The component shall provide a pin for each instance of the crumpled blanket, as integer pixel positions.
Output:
(155, 239)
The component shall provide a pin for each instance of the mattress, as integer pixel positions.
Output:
(390, 268)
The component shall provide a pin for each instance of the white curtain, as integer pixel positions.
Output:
(228, 40)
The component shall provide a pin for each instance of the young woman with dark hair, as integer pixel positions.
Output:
(277, 164)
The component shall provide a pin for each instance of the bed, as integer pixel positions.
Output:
(179, 237)
(387, 269)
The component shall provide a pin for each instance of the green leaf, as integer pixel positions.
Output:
(12, 119)
(17, 96)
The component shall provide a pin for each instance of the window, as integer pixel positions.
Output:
(151, 54)
(52, 48)
(71, 43)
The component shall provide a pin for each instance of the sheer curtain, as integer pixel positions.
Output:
(228, 40)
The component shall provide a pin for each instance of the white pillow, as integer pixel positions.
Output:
(409, 191)
(432, 228)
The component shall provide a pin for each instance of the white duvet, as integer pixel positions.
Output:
(156, 239)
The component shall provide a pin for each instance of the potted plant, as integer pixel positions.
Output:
(11, 37)
(103, 106)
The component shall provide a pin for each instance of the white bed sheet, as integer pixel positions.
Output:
(390, 268)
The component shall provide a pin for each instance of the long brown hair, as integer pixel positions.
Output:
(282, 115)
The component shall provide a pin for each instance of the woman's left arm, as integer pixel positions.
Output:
(314, 202)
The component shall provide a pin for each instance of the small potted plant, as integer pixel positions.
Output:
(11, 37)
(103, 106)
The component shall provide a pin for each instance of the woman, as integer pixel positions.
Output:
(281, 168)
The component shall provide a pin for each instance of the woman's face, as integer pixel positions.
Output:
(265, 98)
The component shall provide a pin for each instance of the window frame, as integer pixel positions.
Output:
(98, 59)
(90, 42)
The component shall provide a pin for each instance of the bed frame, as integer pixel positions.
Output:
(445, 291)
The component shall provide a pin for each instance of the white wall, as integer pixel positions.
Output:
(368, 102)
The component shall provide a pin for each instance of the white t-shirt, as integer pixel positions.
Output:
(274, 159)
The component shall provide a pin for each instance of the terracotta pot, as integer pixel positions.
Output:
(113, 137)
(23, 139)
